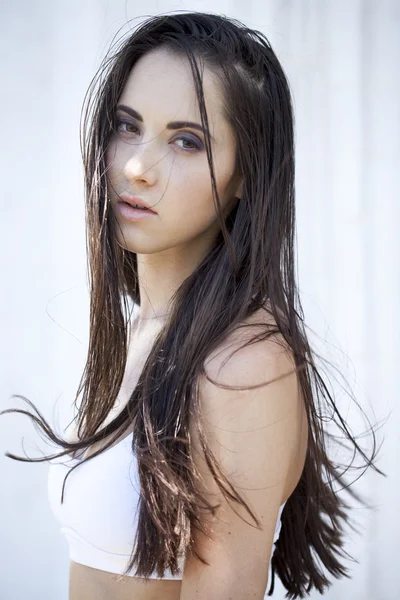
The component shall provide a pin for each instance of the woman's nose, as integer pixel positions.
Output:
(142, 163)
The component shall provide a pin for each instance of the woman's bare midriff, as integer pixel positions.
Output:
(86, 583)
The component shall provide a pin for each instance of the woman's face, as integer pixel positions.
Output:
(168, 168)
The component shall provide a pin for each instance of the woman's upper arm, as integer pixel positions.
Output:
(255, 435)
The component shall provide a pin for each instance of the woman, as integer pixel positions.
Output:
(196, 465)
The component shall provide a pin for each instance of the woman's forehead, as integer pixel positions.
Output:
(161, 82)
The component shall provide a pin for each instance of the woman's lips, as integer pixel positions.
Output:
(133, 214)
(129, 199)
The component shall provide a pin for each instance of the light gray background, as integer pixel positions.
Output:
(342, 60)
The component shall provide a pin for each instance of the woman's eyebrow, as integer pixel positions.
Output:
(171, 125)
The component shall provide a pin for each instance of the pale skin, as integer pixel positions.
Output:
(258, 436)
(152, 162)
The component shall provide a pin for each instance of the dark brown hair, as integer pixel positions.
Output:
(251, 261)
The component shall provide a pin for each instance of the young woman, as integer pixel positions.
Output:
(196, 465)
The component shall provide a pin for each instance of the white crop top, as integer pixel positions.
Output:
(96, 516)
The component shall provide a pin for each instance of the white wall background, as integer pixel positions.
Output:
(342, 60)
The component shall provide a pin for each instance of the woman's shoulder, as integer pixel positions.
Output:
(255, 346)
(260, 413)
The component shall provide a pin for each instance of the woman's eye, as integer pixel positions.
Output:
(126, 126)
(195, 145)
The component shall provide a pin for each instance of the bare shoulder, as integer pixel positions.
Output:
(246, 353)
(268, 410)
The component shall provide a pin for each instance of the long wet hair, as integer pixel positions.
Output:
(251, 262)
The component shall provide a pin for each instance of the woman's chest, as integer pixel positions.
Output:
(138, 352)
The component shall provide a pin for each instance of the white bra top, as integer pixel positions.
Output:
(96, 516)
